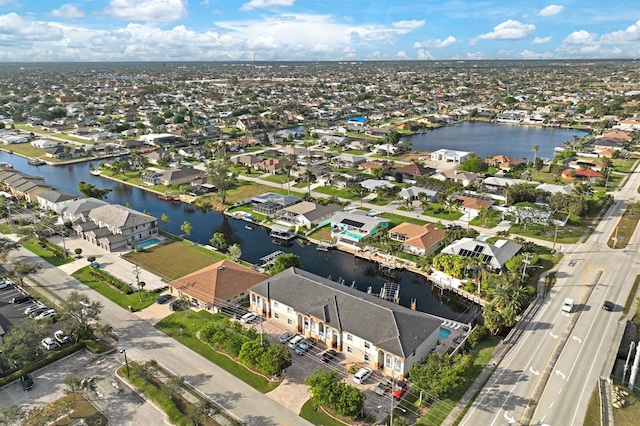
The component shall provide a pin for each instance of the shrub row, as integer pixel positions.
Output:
(52, 248)
(112, 281)
(45, 361)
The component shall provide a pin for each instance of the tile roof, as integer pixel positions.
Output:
(419, 236)
(218, 282)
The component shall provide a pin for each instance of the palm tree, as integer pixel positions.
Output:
(535, 153)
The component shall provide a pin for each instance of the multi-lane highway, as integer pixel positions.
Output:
(549, 374)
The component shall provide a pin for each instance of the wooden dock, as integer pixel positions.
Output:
(443, 285)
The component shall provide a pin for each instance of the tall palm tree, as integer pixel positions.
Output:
(535, 153)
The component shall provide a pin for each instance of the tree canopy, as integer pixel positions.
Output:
(329, 390)
(284, 262)
(220, 175)
(89, 190)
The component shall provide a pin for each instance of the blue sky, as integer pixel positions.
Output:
(210, 30)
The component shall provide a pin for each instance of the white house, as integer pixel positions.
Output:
(449, 156)
(44, 144)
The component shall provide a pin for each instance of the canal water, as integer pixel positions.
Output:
(257, 243)
(488, 139)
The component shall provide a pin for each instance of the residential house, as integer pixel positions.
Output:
(348, 160)
(417, 239)
(306, 214)
(55, 200)
(113, 227)
(552, 189)
(158, 139)
(22, 185)
(455, 175)
(581, 174)
(64, 152)
(413, 170)
(413, 193)
(372, 185)
(370, 166)
(494, 255)
(273, 165)
(74, 209)
(44, 144)
(497, 185)
(223, 284)
(449, 156)
(385, 336)
(503, 162)
(472, 205)
(180, 176)
(348, 228)
(584, 163)
(378, 132)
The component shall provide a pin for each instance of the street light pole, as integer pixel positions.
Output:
(4, 380)
(126, 361)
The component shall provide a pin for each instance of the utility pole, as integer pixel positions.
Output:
(626, 364)
(136, 272)
(555, 237)
(393, 383)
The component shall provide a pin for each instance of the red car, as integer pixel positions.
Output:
(399, 389)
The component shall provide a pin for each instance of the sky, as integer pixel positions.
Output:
(316, 30)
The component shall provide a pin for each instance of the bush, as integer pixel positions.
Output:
(110, 280)
(477, 335)
(353, 369)
(91, 259)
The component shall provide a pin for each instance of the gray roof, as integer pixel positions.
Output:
(119, 216)
(501, 181)
(57, 196)
(82, 205)
(496, 254)
(391, 327)
(321, 211)
(358, 219)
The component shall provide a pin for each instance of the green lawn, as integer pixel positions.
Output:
(317, 416)
(26, 149)
(342, 193)
(136, 300)
(438, 211)
(279, 179)
(33, 246)
(494, 217)
(382, 201)
(397, 219)
(248, 208)
(174, 260)
(441, 409)
(183, 326)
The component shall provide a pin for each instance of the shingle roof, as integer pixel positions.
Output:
(388, 326)
(119, 216)
(57, 196)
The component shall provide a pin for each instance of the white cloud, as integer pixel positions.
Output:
(580, 37)
(67, 11)
(631, 33)
(15, 30)
(147, 10)
(552, 9)
(425, 55)
(402, 55)
(265, 4)
(475, 55)
(509, 30)
(408, 25)
(541, 40)
(435, 43)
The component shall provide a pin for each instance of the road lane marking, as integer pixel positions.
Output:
(509, 418)
(555, 336)
(535, 372)
(559, 392)
(559, 373)
(577, 339)
(203, 370)
(552, 402)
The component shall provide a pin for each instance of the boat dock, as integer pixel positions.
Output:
(270, 258)
(324, 246)
(280, 232)
(445, 284)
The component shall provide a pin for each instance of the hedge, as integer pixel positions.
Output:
(112, 281)
(44, 361)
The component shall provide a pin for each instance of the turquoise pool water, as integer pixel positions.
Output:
(444, 333)
(353, 235)
(147, 243)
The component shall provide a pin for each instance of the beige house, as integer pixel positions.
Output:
(417, 239)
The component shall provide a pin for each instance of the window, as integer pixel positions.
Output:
(275, 304)
(388, 363)
(367, 345)
(289, 321)
(366, 357)
(349, 337)
(349, 349)
(289, 310)
(276, 316)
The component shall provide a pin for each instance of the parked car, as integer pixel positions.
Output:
(34, 313)
(295, 340)
(163, 298)
(176, 306)
(328, 355)
(383, 387)
(50, 344)
(248, 317)
(22, 298)
(49, 313)
(399, 388)
(33, 308)
(284, 337)
(95, 265)
(27, 382)
(303, 346)
(5, 283)
(362, 375)
(61, 337)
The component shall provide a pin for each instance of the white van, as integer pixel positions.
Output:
(567, 305)
(362, 375)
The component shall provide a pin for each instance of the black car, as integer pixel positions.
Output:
(27, 382)
(175, 305)
(163, 298)
(328, 355)
(608, 306)
(22, 298)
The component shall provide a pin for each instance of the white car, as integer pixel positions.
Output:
(33, 308)
(248, 317)
(61, 337)
(49, 313)
(362, 375)
(5, 283)
(50, 344)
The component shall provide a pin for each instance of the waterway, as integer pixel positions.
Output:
(488, 139)
(254, 243)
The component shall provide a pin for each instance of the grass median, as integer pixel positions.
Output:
(184, 326)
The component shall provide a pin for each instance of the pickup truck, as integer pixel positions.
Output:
(567, 305)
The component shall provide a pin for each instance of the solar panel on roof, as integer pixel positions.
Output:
(354, 223)
(478, 249)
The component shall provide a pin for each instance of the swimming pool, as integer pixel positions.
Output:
(444, 333)
(147, 243)
(353, 235)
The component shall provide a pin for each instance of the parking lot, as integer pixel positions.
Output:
(11, 313)
(293, 393)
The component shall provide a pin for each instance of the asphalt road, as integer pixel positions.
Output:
(554, 366)
(143, 342)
